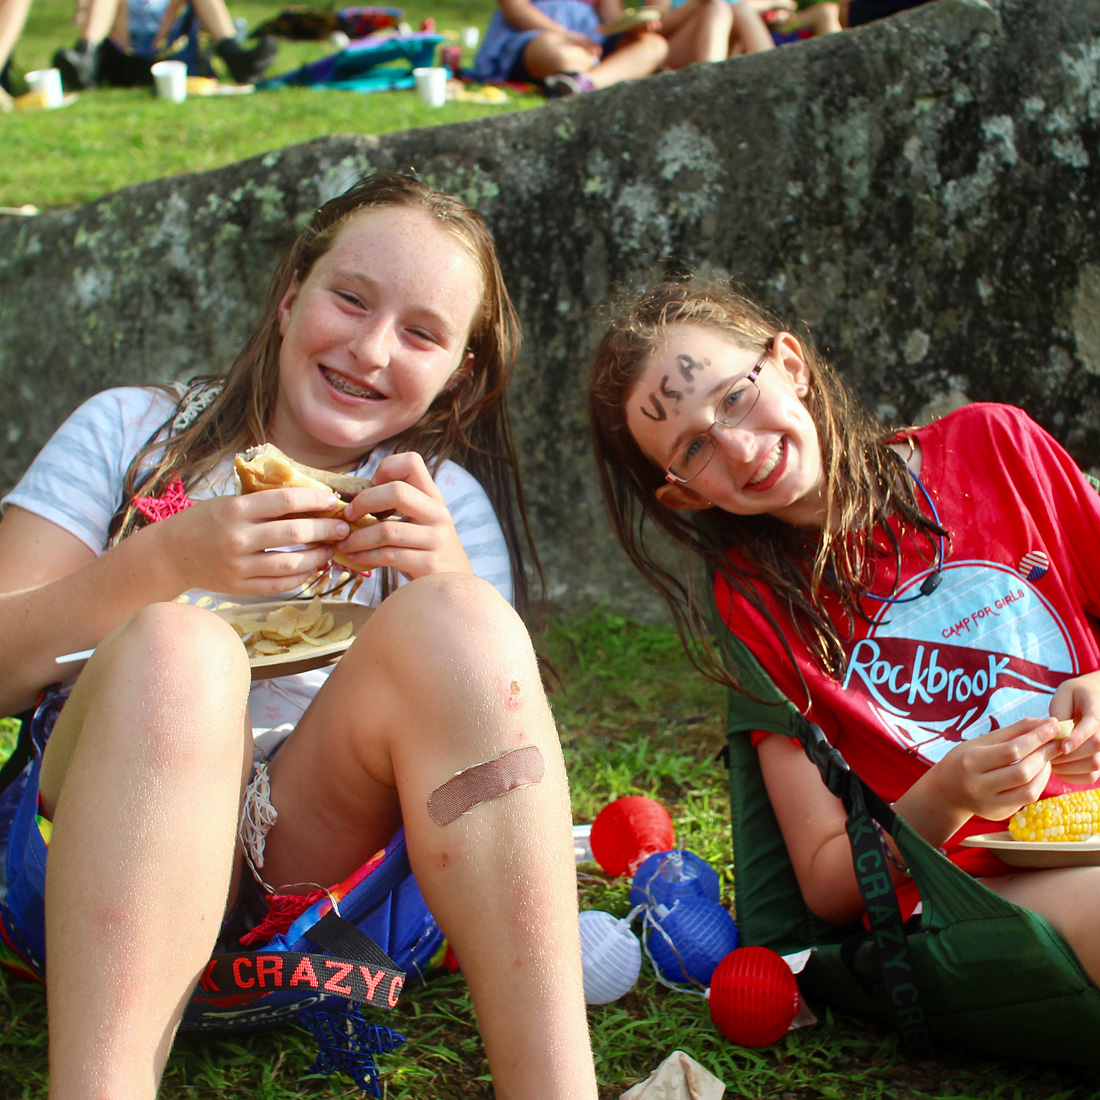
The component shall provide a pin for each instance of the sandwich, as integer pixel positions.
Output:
(266, 467)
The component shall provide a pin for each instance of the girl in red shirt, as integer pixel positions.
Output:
(914, 594)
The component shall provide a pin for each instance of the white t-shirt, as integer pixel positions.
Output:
(76, 481)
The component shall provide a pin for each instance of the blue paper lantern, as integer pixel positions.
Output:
(611, 956)
(688, 940)
(678, 875)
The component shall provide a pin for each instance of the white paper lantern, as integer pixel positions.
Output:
(611, 955)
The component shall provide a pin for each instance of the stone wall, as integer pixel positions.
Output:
(921, 192)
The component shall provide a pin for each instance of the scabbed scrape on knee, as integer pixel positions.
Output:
(490, 779)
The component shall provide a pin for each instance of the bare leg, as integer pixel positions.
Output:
(554, 52)
(697, 31)
(750, 33)
(215, 18)
(13, 15)
(550, 53)
(142, 779)
(1068, 897)
(99, 20)
(442, 678)
(641, 56)
(244, 65)
(822, 18)
(79, 65)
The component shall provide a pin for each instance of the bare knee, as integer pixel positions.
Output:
(172, 681)
(750, 29)
(718, 14)
(550, 53)
(455, 615)
(653, 48)
(175, 645)
(452, 637)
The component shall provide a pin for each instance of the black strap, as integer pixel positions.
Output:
(357, 970)
(340, 937)
(876, 887)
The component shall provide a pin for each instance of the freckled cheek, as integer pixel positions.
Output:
(320, 323)
(331, 330)
(421, 386)
(301, 342)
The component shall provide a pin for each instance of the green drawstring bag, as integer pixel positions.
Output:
(972, 971)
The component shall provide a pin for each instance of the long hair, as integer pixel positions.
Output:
(864, 482)
(468, 422)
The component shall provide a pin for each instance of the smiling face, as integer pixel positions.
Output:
(372, 335)
(769, 464)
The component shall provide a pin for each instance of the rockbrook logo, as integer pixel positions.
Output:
(944, 668)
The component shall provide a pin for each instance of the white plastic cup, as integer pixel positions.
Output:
(47, 84)
(470, 36)
(582, 842)
(431, 85)
(170, 79)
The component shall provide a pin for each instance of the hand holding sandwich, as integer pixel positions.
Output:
(235, 543)
(399, 520)
(422, 541)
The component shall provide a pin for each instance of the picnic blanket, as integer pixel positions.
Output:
(373, 64)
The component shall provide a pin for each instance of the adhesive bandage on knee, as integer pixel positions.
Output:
(490, 779)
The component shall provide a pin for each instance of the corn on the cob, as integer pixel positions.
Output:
(1074, 815)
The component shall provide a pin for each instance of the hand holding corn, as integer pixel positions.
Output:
(991, 776)
(1075, 815)
(1077, 703)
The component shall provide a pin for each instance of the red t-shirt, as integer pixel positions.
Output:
(1014, 614)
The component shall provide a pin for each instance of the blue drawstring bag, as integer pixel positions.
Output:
(347, 953)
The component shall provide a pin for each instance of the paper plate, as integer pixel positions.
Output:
(631, 19)
(1033, 853)
(207, 85)
(301, 657)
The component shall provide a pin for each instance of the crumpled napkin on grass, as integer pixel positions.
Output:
(678, 1077)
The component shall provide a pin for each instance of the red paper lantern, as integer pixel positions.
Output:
(629, 829)
(753, 996)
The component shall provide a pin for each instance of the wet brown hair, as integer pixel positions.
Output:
(864, 481)
(468, 422)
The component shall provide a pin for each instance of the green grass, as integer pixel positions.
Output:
(114, 137)
(634, 719)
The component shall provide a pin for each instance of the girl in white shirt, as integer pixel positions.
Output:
(385, 344)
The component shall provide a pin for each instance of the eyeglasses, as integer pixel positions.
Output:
(735, 404)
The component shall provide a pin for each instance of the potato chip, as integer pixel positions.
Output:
(339, 633)
(244, 626)
(289, 628)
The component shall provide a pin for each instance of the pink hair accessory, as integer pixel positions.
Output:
(156, 508)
